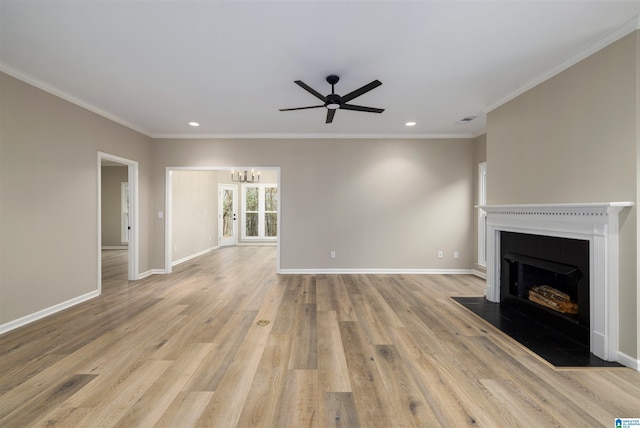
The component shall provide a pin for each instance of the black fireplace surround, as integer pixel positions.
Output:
(562, 264)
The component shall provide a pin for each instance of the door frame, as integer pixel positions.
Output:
(169, 199)
(236, 189)
(132, 248)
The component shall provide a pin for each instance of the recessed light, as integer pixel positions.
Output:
(410, 124)
(194, 124)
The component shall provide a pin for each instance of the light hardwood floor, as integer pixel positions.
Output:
(186, 350)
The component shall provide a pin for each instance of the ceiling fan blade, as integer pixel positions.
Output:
(361, 108)
(330, 114)
(358, 92)
(310, 90)
(300, 108)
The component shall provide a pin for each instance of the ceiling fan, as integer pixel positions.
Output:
(334, 101)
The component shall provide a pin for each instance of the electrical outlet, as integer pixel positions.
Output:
(456, 255)
(440, 254)
(332, 255)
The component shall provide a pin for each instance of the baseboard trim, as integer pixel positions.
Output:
(628, 361)
(150, 272)
(193, 256)
(377, 271)
(115, 247)
(28, 319)
(257, 244)
(478, 273)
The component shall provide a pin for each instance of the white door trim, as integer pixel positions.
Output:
(132, 167)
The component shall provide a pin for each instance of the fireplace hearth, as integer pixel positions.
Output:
(547, 342)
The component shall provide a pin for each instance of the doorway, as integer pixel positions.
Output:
(187, 198)
(117, 203)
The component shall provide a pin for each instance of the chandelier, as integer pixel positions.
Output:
(245, 177)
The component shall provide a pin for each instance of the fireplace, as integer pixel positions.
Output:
(547, 278)
(593, 223)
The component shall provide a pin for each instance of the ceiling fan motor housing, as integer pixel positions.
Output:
(333, 101)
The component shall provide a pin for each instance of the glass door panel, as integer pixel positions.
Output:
(227, 214)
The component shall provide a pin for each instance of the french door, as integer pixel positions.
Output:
(227, 215)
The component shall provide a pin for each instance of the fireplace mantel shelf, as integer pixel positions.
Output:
(594, 222)
(593, 208)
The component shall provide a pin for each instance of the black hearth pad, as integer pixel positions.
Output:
(556, 348)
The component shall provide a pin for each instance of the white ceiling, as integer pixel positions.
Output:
(230, 65)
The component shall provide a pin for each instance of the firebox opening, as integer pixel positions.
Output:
(547, 278)
(549, 284)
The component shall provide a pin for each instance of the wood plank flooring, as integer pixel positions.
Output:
(185, 349)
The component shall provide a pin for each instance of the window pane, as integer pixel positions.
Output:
(271, 199)
(252, 224)
(227, 213)
(252, 198)
(271, 224)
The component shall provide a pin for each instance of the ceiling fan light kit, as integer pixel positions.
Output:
(333, 101)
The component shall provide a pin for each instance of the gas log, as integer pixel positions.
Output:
(553, 298)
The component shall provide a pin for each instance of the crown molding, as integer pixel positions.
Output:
(313, 136)
(627, 28)
(33, 81)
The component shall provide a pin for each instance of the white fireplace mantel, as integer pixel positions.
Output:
(594, 222)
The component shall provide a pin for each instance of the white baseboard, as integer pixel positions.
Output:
(478, 273)
(12, 325)
(377, 271)
(150, 272)
(257, 243)
(628, 361)
(193, 256)
(115, 247)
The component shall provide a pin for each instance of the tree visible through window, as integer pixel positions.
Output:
(252, 212)
(227, 213)
(260, 202)
(271, 211)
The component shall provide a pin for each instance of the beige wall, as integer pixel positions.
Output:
(574, 138)
(48, 194)
(194, 212)
(380, 204)
(111, 207)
